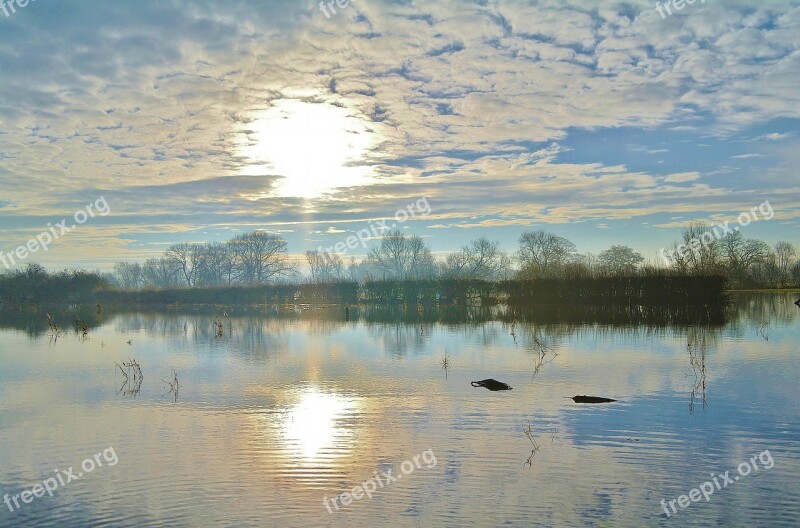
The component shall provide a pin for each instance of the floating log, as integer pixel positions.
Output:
(491, 384)
(591, 399)
(797, 302)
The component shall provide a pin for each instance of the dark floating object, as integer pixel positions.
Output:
(797, 302)
(491, 384)
(591, 399)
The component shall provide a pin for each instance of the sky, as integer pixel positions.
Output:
(603, 122)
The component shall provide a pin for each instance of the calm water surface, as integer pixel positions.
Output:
(286, 410)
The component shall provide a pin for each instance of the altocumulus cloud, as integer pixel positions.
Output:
(149, 105)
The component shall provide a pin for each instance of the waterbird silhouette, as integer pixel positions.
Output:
(491, 384)
(589, 399)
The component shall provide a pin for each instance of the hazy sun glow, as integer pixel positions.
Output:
(315, 148)
(311, 425)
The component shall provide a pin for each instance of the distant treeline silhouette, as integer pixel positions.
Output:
(260, 258)
(254, 268)
(650, 288)
(34, 285)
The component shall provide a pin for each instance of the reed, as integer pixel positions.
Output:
(173, 385)
(132, 378)
(219, 328)
(528, 430)
(81, 328)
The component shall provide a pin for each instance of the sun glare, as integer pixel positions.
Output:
(311, 425)
(314, 147)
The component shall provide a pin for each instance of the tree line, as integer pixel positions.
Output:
(403, 267)
(248, 259)
(747, 262)
(260, 258)
(33, 285)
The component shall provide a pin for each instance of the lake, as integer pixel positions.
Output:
(270, 423)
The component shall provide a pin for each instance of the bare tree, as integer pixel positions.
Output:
(185, 257)
(480, 258)
(160, 273)
(421, 264)
(785, 255)
(260, 256)
(316, 262)
(742, 256)
(768, 273)
(543, 253)
(401, 257)
(506, 267)
(620, 259)
(740, 253)
(129, 275)
(700, 250)
(324, 266)
(358, 271)
(216, 265)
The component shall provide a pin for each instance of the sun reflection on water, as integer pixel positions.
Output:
(313, 428)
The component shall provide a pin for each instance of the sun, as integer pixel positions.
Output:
(314, 148)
